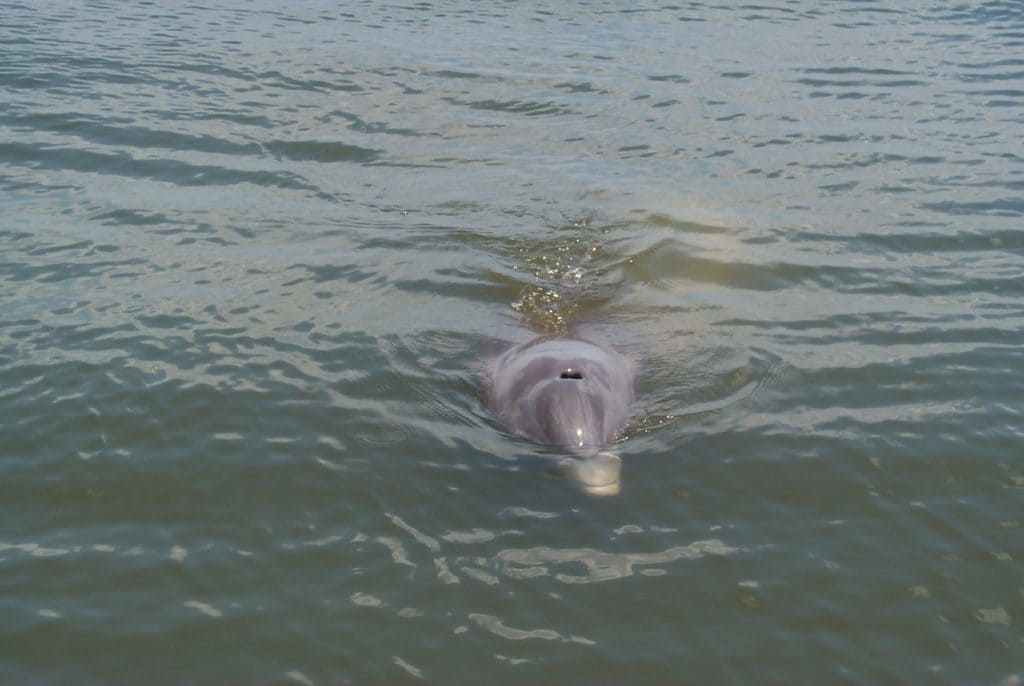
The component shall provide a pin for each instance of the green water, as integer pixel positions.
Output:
(255, 264)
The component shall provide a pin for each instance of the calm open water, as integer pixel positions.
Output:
(254, 263)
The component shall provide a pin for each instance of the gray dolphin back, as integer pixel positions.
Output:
(564, 392)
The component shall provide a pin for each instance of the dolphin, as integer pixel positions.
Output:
(568, 393)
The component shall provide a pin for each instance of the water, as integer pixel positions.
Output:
(254, 263)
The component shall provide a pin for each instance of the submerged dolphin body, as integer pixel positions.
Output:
(568, 393)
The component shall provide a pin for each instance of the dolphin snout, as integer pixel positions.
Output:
(598, 473)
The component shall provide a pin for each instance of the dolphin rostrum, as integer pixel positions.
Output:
(569, 393)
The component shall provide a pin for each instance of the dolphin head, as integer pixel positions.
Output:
(571, 394)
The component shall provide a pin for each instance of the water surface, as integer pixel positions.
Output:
(254, 263)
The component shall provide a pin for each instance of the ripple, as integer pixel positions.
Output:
(526, 108)
(494, 625)
(474, 536)
(408, 668)
(321, 151)
(203, 608)
(116, 132)
(526, 512)
(172, 171)
(600, 566)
